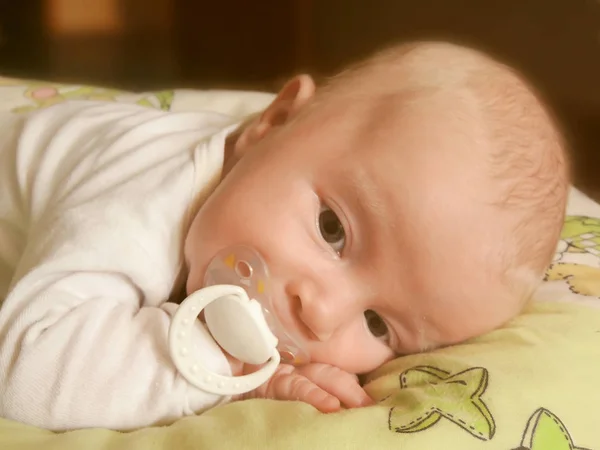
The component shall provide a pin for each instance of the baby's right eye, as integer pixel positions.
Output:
(331, 229)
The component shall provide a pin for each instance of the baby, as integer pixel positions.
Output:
(413, 201)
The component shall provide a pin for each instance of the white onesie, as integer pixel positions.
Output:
(94, 199)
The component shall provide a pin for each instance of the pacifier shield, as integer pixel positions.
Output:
(244, 267)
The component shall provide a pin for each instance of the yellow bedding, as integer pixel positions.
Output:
(531, 385)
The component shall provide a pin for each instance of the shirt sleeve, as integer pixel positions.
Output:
(83, 329)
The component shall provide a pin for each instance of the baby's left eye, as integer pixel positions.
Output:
(331, 229)
(376, 325)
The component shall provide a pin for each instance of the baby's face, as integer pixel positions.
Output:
(373, 222)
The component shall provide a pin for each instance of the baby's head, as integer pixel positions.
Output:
(414, 201)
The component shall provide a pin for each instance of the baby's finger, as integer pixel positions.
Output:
(340, 384)
(294, 386)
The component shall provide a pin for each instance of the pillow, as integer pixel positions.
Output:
(531, 385)
(24, 96)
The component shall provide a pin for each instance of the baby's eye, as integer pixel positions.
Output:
(376, 325)
(331, 229)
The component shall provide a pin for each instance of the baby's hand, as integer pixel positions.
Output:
(325, 387)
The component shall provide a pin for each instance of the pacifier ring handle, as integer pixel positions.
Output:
(194, 371)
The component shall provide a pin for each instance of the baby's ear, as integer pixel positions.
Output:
(290, 99)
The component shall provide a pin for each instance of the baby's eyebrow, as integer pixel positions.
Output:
(365, 198)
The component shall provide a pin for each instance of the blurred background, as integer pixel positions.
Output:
(256, 44)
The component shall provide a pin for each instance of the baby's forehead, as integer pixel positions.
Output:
(395, 145)
(415, 154)
(383, 131)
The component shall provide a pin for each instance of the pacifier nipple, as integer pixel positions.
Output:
(242, 266)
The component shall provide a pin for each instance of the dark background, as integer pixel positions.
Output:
(256, 44)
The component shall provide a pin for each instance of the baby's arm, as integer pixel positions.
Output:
(83, 330)
(79, 351)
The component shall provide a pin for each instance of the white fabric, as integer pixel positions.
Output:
(573, 262)
(580, 204)
(94, 200)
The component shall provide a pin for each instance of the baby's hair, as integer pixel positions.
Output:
(526, 152)
(528, 156)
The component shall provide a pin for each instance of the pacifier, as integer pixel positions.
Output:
(239, 314)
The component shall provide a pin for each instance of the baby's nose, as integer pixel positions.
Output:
(319, 318)
(321, 333)
(323, 314)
